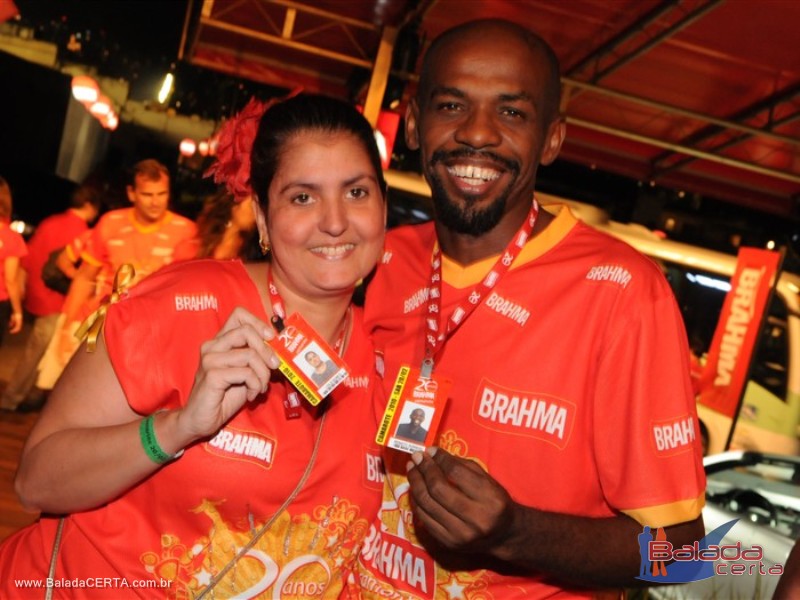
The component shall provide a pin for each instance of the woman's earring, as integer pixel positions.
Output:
(264, 246)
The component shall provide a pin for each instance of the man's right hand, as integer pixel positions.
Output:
(235, 367)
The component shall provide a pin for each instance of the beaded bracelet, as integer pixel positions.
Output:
(150, 444)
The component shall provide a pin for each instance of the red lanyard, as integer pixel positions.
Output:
(291, 402)
(436, 335)
(279, 313)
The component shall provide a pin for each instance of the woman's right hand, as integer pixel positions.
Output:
(235, 367)
(67, 464)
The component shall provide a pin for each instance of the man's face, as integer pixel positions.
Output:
(417, 417)
(150, 198)
(482, 129)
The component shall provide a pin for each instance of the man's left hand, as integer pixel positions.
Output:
(460, 505)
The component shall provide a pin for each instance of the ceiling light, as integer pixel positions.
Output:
(85, 89)
(166, 88)
(101, 107)
(187, 147)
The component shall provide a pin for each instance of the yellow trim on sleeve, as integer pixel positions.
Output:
(70, 254)
(91, 259)
(665, 515)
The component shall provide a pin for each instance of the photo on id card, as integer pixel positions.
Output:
(413, 412)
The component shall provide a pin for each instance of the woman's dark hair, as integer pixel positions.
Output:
(213, 221)
(306, 112)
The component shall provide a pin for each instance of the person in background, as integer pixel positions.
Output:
(12, 249)
(42, 302)
(52, 362)
(225, 229)
(144, 235)
(202, 474)
(565, 349)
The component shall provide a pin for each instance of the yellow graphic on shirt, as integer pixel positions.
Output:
(397, 518)
(300, 556)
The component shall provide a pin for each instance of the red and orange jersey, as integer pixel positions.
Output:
(118, 238)
(570, 387)
(183, 524)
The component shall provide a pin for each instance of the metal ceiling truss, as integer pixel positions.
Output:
(641, 36)
(681, 147)
(628, 44)
(294, 32)
(766, 105)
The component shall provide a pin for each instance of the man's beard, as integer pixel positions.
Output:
(468, 220)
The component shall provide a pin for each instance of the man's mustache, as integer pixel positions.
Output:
(443, 155)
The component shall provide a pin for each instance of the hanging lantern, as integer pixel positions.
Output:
(187, 147)
(85, 89)
(101, 107)
(110, 121)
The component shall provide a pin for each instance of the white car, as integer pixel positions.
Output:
(763, 492)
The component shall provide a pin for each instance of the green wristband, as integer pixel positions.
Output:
(150, 444)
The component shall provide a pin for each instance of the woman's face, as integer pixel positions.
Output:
(326, 215)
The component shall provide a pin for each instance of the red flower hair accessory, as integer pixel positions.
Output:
(234, 145)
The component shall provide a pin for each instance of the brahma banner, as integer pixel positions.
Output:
(725, 373)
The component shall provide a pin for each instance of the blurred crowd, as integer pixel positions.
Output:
(59, 277)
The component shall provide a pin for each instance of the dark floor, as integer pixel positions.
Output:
(14, 429)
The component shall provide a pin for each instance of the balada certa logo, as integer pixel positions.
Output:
(664, 563)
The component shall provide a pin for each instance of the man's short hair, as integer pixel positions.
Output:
(150, 169)
(535, 42)
(86, 194)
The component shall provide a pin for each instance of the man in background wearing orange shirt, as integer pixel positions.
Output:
(144, 235)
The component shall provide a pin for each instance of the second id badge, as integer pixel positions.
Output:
(307, 361)
(414, 410)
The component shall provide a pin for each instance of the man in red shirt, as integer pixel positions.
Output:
(144, 236)
(43, 303)
(570, 423)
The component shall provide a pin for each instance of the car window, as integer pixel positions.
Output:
(765, 492)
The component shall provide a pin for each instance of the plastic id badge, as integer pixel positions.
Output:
(307, 361)
(414, 410)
